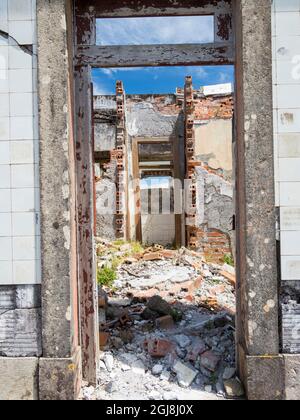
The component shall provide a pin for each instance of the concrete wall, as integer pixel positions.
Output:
(286, 79)
(150, 117)
(214, 145)
(158, 229)
(154, 116)
(105, 114)
(213, 130)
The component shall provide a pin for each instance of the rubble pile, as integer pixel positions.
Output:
(166, 326)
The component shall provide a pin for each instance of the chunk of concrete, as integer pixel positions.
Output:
(209, 361)
(233, 388)
(182, 340)
(185, 374)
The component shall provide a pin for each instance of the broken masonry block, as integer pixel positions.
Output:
(158, 347)
(169, 254)
(234, 388)
(231, 278)
(152, 256)
(159, 305)
(103, 339)
(209, 361)
(165, 322)
(185, 374)
(102, 299)
(195, 350)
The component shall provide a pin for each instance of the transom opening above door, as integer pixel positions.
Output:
(155, 30)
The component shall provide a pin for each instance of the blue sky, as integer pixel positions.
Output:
(155, 30)
(158, 79)
(167, 30)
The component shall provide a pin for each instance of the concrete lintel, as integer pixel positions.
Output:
(60, 379)
(19, 378)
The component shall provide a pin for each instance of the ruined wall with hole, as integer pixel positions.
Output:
(151, 117)
(20, 319)
(105, 120)
(162, 116)
(286, 93)
(213, 133)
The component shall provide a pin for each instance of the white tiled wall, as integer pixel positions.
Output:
(19, 183)
(286, 76)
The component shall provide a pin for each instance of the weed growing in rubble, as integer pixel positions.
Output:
(106, 276)
(137, 248)
(228, 259)
(119, 242)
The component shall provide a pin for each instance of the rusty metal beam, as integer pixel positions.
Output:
(137, 8)
(155, 55)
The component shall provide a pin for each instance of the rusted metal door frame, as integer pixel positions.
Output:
(88, 55)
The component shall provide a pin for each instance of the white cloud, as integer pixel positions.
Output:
(158, 30)
(224, 77)
(101, 89)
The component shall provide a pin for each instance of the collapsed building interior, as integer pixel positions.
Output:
(165, 243)
(161, 140)
(160, 256)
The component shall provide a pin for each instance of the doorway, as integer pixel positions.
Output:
(89, 55)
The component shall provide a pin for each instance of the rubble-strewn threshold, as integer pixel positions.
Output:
(166, 325)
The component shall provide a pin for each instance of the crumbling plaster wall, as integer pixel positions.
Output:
(162, 116)
(214, 145)
(147, 116)
(213, 130)
(150, 117)
(105, 117)
(286, 93)
(20, 274)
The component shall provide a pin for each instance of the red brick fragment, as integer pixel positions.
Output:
(103, 339)
(158, 348)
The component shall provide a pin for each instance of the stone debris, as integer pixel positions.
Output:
(157, 369)
(185, 374)
(234, 388)
(168, 330)
(228, 373)
(109, 362)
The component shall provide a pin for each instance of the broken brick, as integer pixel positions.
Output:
(102, 299)
(217, 290)
(209, 361)
(230, 277)
(195, 350)
(158, 347)
(142, 295)
(152, 256)
(167, 253)
(103, 338)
